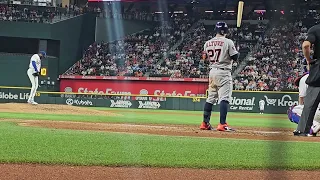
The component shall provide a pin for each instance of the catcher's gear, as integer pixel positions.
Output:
(293, 117)
(315, 128)
(36, 74)
(297, 80)
(221, 28)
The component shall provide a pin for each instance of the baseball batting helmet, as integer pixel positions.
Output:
(221, 28)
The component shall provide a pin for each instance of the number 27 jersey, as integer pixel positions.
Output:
(219, 51)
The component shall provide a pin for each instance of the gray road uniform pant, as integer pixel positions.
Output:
(220, 85)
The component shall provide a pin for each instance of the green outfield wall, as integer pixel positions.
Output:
(275, 103)
(73, 36)
(14, 69)
(114, 29)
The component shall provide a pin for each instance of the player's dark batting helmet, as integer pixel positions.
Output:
(221, 28)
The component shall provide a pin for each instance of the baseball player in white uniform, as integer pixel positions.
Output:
(294, 112)
(221, 52)
(33, 74)
(261, 106)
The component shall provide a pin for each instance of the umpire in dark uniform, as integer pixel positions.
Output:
(312, 98)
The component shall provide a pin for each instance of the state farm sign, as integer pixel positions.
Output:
(163, 88)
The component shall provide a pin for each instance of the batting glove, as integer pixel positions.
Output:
(36, 74)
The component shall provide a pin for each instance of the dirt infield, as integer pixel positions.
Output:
(41, 172)
(192, 114)
(52, 108)
(278, 134)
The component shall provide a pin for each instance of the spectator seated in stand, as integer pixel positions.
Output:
(279, 60)
(135, 55)
(37, 14)
(188, 60)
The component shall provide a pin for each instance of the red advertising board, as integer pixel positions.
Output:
(132, 85)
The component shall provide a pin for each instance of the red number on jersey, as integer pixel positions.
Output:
(214, 55)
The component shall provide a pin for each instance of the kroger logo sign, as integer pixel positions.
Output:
(284, 101)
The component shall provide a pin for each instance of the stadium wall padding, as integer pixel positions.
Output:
(25, 30)
(74, 34)
(14, 69)
(247, 102)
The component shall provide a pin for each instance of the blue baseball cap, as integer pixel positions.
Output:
(44, 54)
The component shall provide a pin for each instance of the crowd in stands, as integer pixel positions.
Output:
(131, 15)
(176, 50)
(279, 59)
(37, 14)
(231, 16)
(136, 54)
(189, 60)
(150, 52)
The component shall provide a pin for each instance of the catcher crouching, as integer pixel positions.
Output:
(294, 112)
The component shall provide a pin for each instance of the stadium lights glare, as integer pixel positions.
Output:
(208, 11)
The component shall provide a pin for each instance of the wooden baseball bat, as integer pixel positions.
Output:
(240, 11)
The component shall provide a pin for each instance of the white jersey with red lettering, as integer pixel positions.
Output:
(219, 51)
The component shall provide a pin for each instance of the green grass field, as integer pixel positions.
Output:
(55, 146)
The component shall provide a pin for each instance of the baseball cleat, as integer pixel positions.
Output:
(299, 133)
(311, 133)
(225, 128)
(205, 126)
(32, 102)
